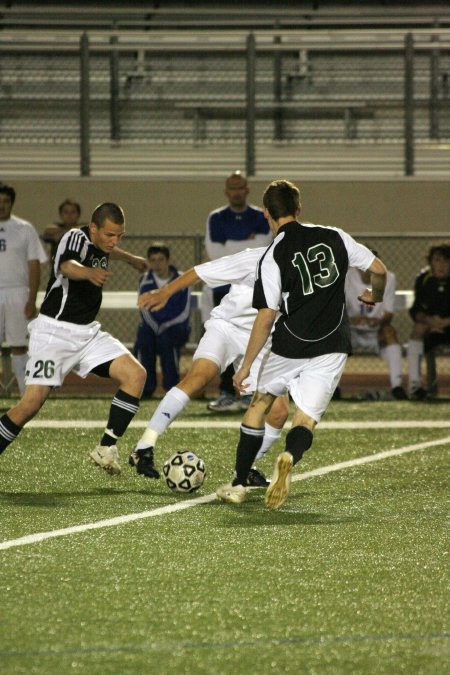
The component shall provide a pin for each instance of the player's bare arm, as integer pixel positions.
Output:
(73, 270)
(34, 277)
(378, 276)
(136, 261)
(156, 300)
(261, 330)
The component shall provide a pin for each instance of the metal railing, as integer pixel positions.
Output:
(276, 87)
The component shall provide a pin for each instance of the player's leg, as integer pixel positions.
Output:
(201, 373)
(51, 356)
(414, 360)
(215, 350)
(131, 376)
(105, 356)
(250, 441)
(391, 352)
(311, 387)
(12, 422)
(168, 348)
(16, 332)
(145, 350)
(274, 424)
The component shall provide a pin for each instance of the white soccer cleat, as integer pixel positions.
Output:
(232, 494)
(278, 489)
(107, 458)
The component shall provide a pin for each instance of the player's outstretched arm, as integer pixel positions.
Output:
(261, 330)
(378, 276)
(156, 300)
(136, 261)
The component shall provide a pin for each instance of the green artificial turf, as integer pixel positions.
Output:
(349, 576)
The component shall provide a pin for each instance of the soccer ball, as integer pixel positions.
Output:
(184, 471)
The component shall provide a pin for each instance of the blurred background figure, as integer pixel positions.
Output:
(162, 334)
(371, 327)
(21, 255)
(230, 229)
(69, 217)
(430, 313)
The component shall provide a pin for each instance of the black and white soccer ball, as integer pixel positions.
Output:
(184, 471)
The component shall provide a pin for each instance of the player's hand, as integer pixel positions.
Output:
(97, 276)
(154, 300)
(238, 380)
(30, 310)
(367, 298)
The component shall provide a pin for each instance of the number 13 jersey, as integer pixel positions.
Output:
(302, 274)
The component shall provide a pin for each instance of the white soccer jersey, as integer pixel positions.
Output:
(354, 286)
(239, 270)
(19, 243)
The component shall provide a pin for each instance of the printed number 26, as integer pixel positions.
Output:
(328, 268)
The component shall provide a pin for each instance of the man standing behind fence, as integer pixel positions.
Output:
(231, 229)
(21, 255)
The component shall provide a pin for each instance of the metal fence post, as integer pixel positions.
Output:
(114, 89)
(85, 160)
(434, 89)
(277, 90)
(251, 105)
(409, 105)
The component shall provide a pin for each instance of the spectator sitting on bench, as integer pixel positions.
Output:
(371, 327)
(431, 314)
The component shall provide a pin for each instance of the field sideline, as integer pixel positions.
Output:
(109, 575)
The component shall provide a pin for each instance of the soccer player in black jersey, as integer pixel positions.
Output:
(301, 275)
(431, 314)
(65, 335)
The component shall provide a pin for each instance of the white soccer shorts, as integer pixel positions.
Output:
(57, 347)
(310, 382)
(225, 343)
(13, 322)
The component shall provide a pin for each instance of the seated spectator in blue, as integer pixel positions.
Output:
(162, 333)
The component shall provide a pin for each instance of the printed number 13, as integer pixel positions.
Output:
(328, 268)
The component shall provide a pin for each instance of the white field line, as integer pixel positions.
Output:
(235, 424)
(186, 504)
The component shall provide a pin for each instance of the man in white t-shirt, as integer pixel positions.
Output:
(371, 328)
(226, 335)
(21, 255)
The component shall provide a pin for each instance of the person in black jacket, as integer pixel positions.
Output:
(430, 313)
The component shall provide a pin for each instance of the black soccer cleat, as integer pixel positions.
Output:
(256, 479)
(142, 460)
(399, 393)
(418, 394)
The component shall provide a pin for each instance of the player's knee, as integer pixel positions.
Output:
(279, 412)
(388, 335)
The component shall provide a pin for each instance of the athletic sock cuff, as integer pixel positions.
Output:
(251, 431)
(179, 395)
(10, 426)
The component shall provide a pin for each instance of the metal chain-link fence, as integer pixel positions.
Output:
(237, 89)
(403, 255)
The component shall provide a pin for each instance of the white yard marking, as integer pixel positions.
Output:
(180, 506)
(235, 424)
